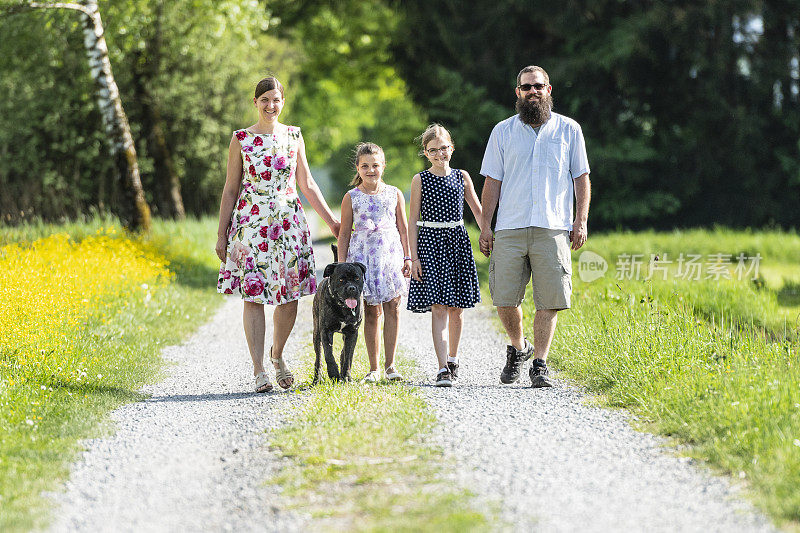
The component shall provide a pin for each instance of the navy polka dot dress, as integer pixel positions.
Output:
(449, 276)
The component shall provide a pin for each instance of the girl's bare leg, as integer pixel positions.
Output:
(372, 318)
(438, 328)
(391, 321)
(455, 325)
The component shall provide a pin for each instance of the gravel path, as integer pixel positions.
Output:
(552, 462)
(194, 455)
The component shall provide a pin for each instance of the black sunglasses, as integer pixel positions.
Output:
(527, 86)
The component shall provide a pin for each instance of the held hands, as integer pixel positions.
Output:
(578, 235)
(416, 270)
(335, 227)
(486, 241)
(407, 268)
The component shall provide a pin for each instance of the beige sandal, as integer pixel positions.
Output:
(371, 377)
(282, 374)
(262, 382)
(392, 374)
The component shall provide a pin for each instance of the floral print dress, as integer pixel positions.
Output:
(376, 243)
(268, 219)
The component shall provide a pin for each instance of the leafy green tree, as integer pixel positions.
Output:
(192, 78)
(134, 211)
(55, 158)
(347, 89)
(200, 71)
(688, 108)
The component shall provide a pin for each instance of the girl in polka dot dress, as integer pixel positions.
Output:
(374, 231)
(444, 280)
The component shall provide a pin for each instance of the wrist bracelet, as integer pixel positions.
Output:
(406, 258)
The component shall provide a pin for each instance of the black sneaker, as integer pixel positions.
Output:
(538, 374)
(443, 379)
(453, 368)
(514, 360)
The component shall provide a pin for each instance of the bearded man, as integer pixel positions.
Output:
(535, 165)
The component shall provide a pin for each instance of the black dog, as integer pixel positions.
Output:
(338, 308)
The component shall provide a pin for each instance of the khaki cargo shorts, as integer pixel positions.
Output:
(517, 254)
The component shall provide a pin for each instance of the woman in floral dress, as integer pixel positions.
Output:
(263, 239)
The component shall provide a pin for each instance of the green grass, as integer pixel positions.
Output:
(362, 459)
(772, 301)
(78, 229)
(125, 339)
(713, 364)
(728, 392)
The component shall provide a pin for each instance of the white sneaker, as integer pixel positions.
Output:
(371, 377)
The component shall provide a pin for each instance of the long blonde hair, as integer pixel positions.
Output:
(365, 149)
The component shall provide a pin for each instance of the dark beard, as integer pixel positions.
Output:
(533, 112)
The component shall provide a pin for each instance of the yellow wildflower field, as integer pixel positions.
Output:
(85, 311)
(50, 291)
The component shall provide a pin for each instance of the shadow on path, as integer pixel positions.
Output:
(119, 393)
(209, 397)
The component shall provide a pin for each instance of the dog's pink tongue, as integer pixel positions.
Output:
(351, 303)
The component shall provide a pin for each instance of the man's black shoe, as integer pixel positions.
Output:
(514, 360)
(443, 379)
(538, 374)
(453, 368)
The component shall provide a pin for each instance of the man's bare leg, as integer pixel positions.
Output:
(544, 326)
(511, 317)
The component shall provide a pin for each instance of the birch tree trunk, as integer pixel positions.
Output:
(134, 211)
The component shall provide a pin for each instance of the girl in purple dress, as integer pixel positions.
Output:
(374, 232)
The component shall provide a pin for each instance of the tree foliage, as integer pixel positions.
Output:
(347, 88)
(54, 160)
(690, 111)
(186, 71)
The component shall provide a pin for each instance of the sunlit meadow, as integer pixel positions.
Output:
(712, 362)
(710, 359)
(83, 316)
(55, 293)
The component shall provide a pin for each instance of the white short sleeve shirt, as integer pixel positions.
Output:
(536, 171)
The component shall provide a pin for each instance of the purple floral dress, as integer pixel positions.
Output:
(376, 243)
(268, 219)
